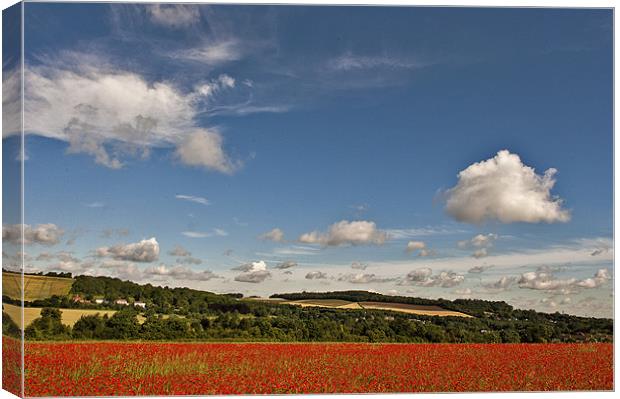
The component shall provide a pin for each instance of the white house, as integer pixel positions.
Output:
(121, 302)
(140, 305)
(99, 301)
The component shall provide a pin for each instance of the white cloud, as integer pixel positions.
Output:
(600, 278)
(403, 234)
(419, 275)
(121, 269)
(347, 233)
(426, 252)
(11, 101)
(286, 265)
(364, 278)
(479, 241)
(179, 251)
(196, 234)
(179, 273)
(192, 198)
(203, 148)
(479, 269)
(72, 266)
(174, 16)
(297, 250)
(505, 189)
(251, 267)
(253, 272)
(189, 260)
(212, 53)
(424, 277)
(503, 283)
(113, 114)
(316, 275)
(275, 235)
(210, 88)
(253, 277)
(602, 246)
(541, 280)
(143, 251)
(350, 62)
(44, 234)
(359, 265)
(202, 234)
(415, 245)
(480, 253)
(463, 292)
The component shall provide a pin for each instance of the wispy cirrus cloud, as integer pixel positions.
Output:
(350, 62)
(205, 234)
(174, 15)
(193, 198)
(410, 233)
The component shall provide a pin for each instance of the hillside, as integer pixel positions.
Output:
(35, 286)
(345, 316)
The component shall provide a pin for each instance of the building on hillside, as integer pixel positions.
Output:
(99, 301)
(121, 302)
(79, 299)
(140, 305)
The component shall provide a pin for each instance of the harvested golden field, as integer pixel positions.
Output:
(423, 310)
(352, 305)
(412, 309)
(35, 287)
(324, 303)
(69, 316)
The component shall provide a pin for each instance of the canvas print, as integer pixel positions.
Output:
(204, 199)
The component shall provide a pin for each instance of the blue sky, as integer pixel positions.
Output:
(207, 127)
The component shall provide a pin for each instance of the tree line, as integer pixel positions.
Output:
(187, 314)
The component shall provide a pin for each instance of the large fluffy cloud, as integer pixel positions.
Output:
(505, 189)
(112, 114)
(143, 251)
(44, 234)
(359, 232)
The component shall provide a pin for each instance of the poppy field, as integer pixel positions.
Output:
(107, 368)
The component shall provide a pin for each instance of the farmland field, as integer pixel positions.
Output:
(412, 309)
(109, 368)
(35, 287)
(394, 307)
(69, 316)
